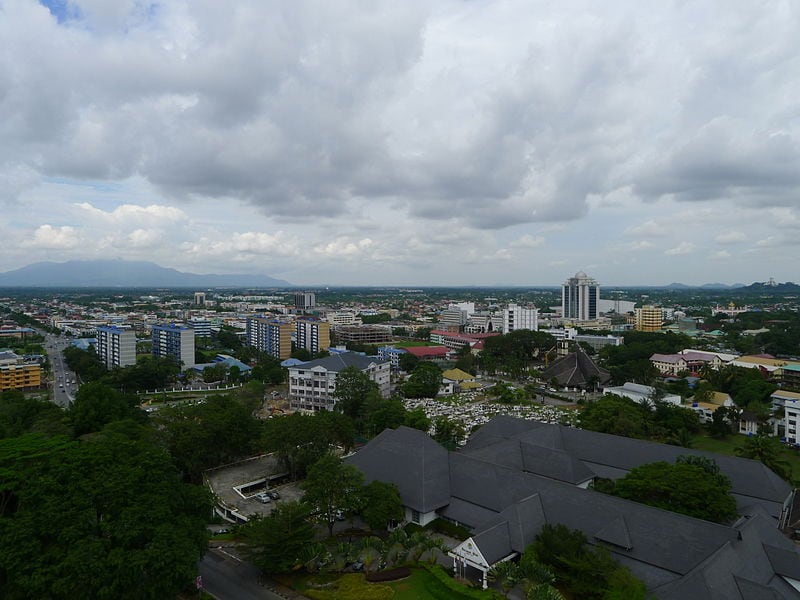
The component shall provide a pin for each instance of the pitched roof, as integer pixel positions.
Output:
(457, 375)
(575, 370)
(337, 362)
(411, 460)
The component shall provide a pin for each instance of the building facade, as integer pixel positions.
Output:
(364, 334)
(312, 334)
(648, 318)
(271, 336)
(580, 298)
(116, 346)
(305, 300)
(18, 374)
(312, 385)
(517, 317)
(175, 342)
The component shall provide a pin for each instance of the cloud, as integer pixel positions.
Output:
(730, 237)
(527, 241)
(682, 248)
(719, 255)
(54, 238)
(128, 214)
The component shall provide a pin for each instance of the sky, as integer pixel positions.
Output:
(422, 142)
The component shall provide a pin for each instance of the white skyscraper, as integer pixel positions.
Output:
(580, 297)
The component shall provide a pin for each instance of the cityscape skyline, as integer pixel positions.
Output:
(446, 143)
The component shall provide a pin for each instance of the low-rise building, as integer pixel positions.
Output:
(312, 384)
(642, 394)
(18, 374)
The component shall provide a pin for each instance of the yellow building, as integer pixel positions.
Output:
(20, 377)
(648, 318)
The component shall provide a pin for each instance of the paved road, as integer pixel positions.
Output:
(63, 392)
(228, 578)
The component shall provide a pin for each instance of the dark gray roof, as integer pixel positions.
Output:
(677, 557)
(337, 362)
(411, 460)
(612, 456)
(530, 458)
(575, 370)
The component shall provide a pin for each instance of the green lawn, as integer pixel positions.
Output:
(729, 445)
(413, 344)
(421, 585)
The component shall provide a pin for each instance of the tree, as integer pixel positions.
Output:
(424, 382)
(216, 432)
(616, 415)
(408, 362)
(722, 422)
(332, 486)
(417, 419)
(107, 517)
(275, 543)
(382, 505)
(19, 415)
(686, 487)
(353, 387)
(97, 404)
(448, 432)
(586, 572)
(301, 440)
(768, 450)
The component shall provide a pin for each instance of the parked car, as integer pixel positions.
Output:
(274, 495)
(263, 498)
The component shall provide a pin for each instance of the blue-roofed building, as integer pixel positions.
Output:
(228, 361)
(391, 354)
(84, 343)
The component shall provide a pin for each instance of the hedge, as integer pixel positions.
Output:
(389, 574)
(351, 587)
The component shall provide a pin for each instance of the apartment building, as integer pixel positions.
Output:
(364, 334)
(16, 374)
(176, 342)
(312, 385)
(116, 346)
(648, 318)
(312, 334)
(271, 336)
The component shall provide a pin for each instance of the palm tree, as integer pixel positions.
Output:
(371, 550)
(396, 547)
(768, 450)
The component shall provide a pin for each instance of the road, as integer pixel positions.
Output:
(228, 578)
(63, 389)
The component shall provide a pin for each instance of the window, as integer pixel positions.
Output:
(415, 516)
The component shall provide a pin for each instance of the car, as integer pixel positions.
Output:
(338, 515)
(357, 566)
(274, 495)
(263, 498)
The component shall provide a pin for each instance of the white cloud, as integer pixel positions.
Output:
(54, 238)
(528, 241)
(719, 255)
(682, 248)
(731, 237)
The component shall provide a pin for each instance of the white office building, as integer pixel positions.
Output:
(580, 298)
(517, 317)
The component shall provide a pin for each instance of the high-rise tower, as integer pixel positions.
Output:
(580, 296)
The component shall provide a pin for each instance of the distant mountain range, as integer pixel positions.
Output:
(124, 273)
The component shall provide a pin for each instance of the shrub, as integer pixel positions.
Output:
(352, 587)
(389, 574)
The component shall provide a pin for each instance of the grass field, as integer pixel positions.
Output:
(413, 344)
(729, 445)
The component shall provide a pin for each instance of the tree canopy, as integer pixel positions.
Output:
(126, 525)
(424, 381)
(332, 486)
(689, 487)
(275, 543)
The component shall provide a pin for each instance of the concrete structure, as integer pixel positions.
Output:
(18, 374)
(202, 327)
(312, 334)
(391, 354)
(312, 385)
(620, 307)
(648, 318)
(517, 317)
(693, 362)
(199, 298)
(176, 342)
(272, 336)
(363, 334)
(456, 341)
(514, 476)
(641, 393)
(790, 403)
(343, 317)
(304, 300)
(116, 346)
(580, 298)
